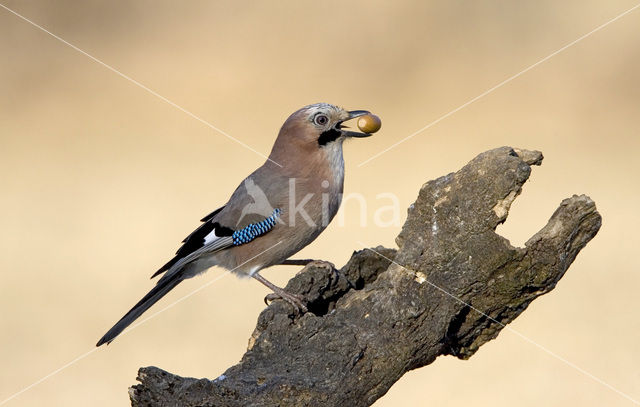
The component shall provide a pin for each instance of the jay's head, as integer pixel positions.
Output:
(316, 127)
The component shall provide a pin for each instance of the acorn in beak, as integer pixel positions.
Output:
(367, 123)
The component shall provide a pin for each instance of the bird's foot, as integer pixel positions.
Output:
(307, 262)
(327, 265)
(280, 293)
(296, 300)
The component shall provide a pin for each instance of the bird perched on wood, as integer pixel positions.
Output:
(275, 212)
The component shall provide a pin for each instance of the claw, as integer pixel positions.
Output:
(327, 265)
(279, 293)
(293, 299)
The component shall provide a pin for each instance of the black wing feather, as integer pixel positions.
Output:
(195, 240)
(211, 215)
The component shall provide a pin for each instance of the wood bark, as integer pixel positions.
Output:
(451, 285)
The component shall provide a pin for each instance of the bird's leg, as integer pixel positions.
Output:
(296, 262)
(310, 263)
(278, 293)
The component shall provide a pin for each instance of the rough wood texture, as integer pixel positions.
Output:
(451, 286)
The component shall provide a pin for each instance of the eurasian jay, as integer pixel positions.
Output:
(275, 212)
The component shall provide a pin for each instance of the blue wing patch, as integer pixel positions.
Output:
(253, 230)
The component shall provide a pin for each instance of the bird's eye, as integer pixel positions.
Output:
(321, 119)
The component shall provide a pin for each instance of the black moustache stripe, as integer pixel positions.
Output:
(328, 136)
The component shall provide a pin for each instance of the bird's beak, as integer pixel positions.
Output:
(352, 115)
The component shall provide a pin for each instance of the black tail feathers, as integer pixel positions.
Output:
(159, 291)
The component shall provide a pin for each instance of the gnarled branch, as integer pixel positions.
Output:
(451, 286)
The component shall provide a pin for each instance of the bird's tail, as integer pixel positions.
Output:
(159, 291)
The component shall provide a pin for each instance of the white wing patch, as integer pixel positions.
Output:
(211, 237)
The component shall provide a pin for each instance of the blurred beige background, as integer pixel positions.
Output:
(100, 180)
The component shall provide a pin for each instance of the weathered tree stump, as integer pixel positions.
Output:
(451, 286)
